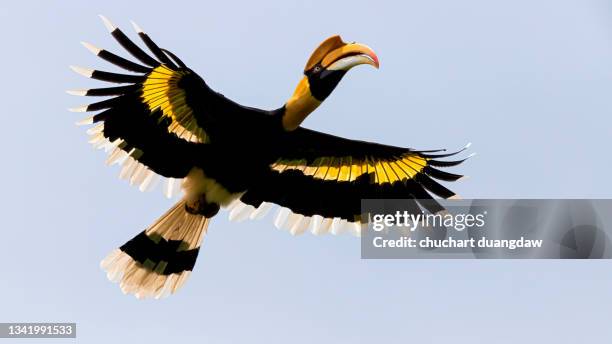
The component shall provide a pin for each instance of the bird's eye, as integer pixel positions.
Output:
(317, 69)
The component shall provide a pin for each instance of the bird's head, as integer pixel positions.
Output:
(325, 68)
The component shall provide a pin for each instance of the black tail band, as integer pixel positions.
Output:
(144, 250)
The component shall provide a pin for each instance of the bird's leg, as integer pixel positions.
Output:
(200, 206)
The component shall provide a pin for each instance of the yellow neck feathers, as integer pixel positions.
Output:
(299, 106)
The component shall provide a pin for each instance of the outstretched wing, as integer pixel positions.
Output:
(154, 122)
(330, 157)
(321, 179)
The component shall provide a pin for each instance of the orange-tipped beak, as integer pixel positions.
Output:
(335, 54)
(350, 55)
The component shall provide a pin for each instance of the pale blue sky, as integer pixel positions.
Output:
(528, 82)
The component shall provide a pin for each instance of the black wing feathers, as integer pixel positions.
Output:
(133, 48)
(111, 91)
(309, 144)
(122, 62)
(116, 77)
(165, 154)
(138, 129)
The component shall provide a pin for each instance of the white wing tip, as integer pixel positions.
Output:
(109, 26)
(86, 121)
(95, 50)
(137, 28)
(468, 145)
(77, 92)
(78, 109)
(471, 155)
(83, 71)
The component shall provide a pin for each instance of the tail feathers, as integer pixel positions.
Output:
(158, 261)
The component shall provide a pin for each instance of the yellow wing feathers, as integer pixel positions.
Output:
(349, 168)
(160, 90)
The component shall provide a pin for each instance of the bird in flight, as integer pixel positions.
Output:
(163, 121)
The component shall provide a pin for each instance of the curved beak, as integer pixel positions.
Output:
(349, 56)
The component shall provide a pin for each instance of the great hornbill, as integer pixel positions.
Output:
(166, 121)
